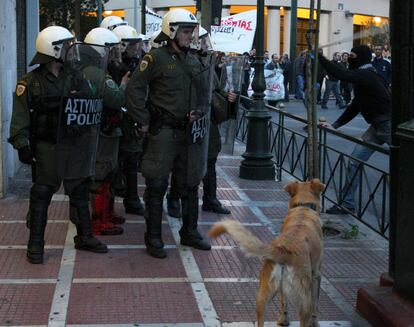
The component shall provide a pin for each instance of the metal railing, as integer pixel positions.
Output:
(289, 147)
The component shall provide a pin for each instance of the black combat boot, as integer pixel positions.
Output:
(189, 233)
(132, 202)
(85, 240)
(153, 216)
(40, 196)
(78, 199)
(154, 243)
(173, 206)
(210, 201)
(153, 238)
(173, 199)
(35, 247)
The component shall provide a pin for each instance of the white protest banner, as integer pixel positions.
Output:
(152, 22)
(275, 88)
(236, 33)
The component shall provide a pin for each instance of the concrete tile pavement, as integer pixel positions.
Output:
(126, 287)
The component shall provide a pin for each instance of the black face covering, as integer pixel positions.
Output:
(364, 56)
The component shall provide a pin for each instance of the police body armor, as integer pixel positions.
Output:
(81, 111)
(44, 106)
(198, 131)
(230, 81)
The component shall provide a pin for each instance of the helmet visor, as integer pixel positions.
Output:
(133, 49)
(206, 45)
(115, 53)
(112, 27)
(65, 47)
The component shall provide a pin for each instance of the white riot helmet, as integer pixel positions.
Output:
(112, 22)
(203, 42)
(176, 18)
(105, 38)
(101, 36)
(144, 37)
(52, 42)
(126, 35)
(153, 44)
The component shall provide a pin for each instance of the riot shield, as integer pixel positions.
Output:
(198, 131)
(230, 81)
(80, 113)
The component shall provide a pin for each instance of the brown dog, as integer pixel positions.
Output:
(293, 259)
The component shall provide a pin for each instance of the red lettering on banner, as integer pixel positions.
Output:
(246, 25)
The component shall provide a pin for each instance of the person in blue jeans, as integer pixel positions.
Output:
(332, 85)
(299, 77)
(379, 134)
(373, 100)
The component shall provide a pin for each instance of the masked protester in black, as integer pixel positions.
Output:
(373, 100)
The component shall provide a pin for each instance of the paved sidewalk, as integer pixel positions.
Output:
(126, 287)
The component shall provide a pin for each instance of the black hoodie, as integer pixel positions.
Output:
(372, 98)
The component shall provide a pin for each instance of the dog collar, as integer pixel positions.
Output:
(308, 205)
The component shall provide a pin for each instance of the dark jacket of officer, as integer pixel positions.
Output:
(37, 93)
(34, 122)
(129, 140)
(164, 74)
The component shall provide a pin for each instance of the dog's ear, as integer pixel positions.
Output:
(317, 186)
(292, 188)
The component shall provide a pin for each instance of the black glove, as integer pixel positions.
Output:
(25, 155)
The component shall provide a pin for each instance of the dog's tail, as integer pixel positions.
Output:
(248, 243)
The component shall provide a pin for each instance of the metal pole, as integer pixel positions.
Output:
(316, 149)
(310, 85)
(257, 163)
(143, 11)
(292, 51)
(99, 12)
(135, 14)
(77, 14)
(311, 80)
(397, 118)
(206, 6)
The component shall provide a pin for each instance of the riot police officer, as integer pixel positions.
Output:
(130, 149)
(210, 202)
(34, 133)
(103, 216)
(164, 77)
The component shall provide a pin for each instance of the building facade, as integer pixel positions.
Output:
(18, 30)
(342, 24)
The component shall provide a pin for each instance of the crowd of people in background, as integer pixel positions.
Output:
(327, 84)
